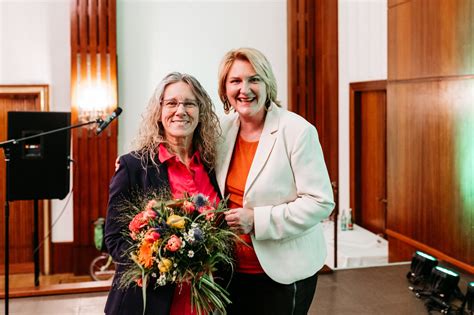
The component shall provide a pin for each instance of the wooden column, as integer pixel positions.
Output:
(93, 62)
(313, 72)
(313, 75)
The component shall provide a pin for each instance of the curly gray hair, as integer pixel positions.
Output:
(151, 133)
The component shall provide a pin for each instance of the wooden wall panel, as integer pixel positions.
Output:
(431, 38)
(430, 120)
(399, 250)
(62, 257)
(313, 71)
(428, 130)
(392, 3)
(93, 60)
(326, 101)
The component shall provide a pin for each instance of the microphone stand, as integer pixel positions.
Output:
(6, 145)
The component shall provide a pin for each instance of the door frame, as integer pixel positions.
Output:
(355, 89)
(42, 92)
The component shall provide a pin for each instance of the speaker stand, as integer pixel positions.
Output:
(36, 243)
(7, 243)
(6, 152)
(5, 145)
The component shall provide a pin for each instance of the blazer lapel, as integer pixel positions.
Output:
(157, 177)
(227, 147)
(265, 146)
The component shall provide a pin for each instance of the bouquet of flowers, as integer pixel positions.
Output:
(179, 241)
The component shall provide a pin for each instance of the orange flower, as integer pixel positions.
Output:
(145, 254)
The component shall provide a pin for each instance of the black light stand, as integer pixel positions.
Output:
(468, 303)
(6, 145)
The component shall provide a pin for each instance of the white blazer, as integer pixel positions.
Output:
(289, 189)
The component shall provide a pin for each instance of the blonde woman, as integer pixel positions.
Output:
(272, 167)
(175, 151)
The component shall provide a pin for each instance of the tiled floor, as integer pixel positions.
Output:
(368, 291)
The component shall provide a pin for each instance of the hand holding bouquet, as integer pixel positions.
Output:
(179, 241)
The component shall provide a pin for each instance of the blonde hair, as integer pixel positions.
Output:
(151, 133)
(261, 65)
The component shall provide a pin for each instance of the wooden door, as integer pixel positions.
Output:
(368, 161)
(18, 98)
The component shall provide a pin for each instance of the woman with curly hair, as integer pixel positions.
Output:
(175, 151)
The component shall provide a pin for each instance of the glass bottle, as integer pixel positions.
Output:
(343, 220)
(350, 225)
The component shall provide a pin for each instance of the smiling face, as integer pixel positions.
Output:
(179, 113)
(246, 90)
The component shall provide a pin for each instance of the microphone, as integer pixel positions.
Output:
(104, 123)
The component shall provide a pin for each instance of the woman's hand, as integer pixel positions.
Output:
(240, 219)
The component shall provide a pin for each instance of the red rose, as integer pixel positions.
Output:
(152, 235)
(141, 220)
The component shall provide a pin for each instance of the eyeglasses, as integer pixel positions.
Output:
(174, 103)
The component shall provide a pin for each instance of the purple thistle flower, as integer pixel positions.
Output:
(198, 235)
(200, 200)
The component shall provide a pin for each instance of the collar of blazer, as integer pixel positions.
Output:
(265, 146)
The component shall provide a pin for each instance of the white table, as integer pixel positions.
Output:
(356, 248)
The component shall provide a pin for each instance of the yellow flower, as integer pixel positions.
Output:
(165, 265)
(175, 221)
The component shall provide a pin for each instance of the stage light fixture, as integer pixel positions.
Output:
(468, 303)
(444, 282)
(421, 266)
(443, 287)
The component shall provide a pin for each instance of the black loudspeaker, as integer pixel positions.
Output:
(38, 167)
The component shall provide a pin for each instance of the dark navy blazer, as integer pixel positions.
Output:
(131, 177)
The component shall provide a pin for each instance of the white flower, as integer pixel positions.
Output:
(161, 280)
(190, 254)
(153, 275)
(189, 236)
